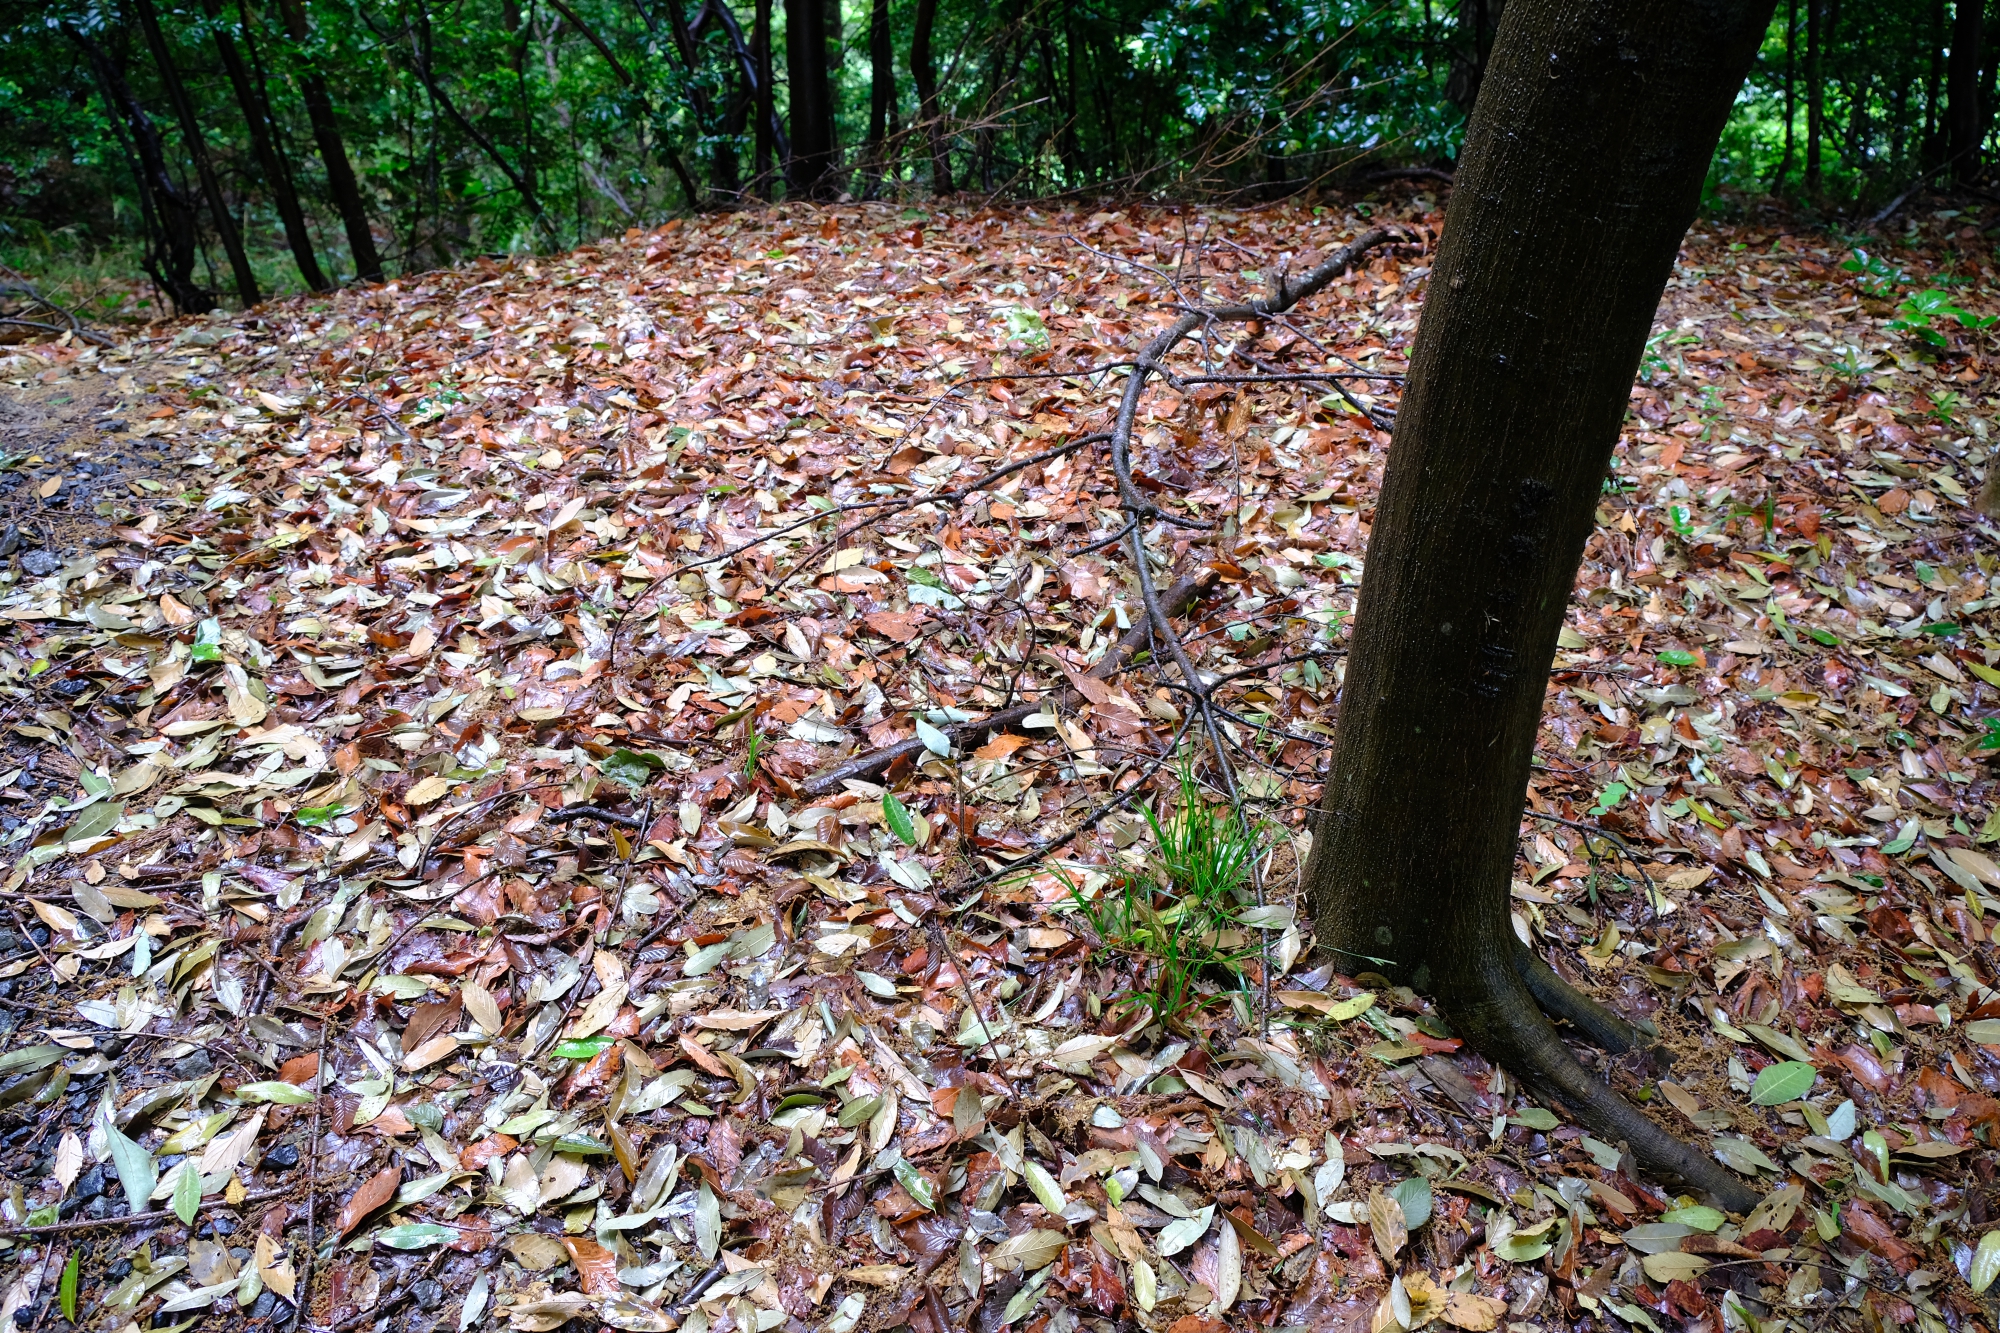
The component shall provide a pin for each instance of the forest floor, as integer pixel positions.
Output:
(423, 907)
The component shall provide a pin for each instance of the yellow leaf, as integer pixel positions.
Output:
(480, 1004)
(1386, 1221)
(275, 1267)
(1473, 1312)
(427, 790)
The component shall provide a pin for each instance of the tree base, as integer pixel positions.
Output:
(1499, 1011)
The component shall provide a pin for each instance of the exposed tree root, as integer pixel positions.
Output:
(1494, 1009)
(1561, 1000)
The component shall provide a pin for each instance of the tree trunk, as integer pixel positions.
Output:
(809, 173)
(340, 181)
(1784, 171)
(211, 187)
(924, 74)
(767, 106)
(171, 263)
(1582, 168)
(1965, 127)
(881, 87)
(257, 119)
(1815, 91)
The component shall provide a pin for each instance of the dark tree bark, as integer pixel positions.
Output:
(756, 70)
(1582, 168)
(809, 172)
(1964, 126)
(257, 120)
(1784, 171)
(170, 260)
(340, 181)
(768, 134)
(211, 186)
(1815, 90)
(923, 73)
(881, 86)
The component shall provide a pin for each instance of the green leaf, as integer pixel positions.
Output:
(187, 1191)
(1178, 1235)
(1985, 1262)
(136, 1169)
(1415, 1196)
(274, 1090)
(583, 1048)
(1043, 1186)
(915, 1185)
(1700, 1217)
(933, 740)
(94, 821)
(632, 768)
(1677, 657)
(1612, 794)
(897, 816)
(582, 1145)
(318, 816)
(1534, 1117)
(415, 1235)
(1786, 1081)
(66, 1292)
(1826, 637)
(207, 645)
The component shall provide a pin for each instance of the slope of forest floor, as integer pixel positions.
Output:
(430, 904)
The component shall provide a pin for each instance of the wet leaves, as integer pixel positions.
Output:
(375, 657)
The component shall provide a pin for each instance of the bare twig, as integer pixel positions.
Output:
(874, 762)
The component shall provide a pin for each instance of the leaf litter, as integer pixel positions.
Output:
(501, 827)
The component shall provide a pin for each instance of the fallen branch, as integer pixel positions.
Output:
(871, 765)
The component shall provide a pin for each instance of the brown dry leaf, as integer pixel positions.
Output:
(373, 1193)
(596, 1267)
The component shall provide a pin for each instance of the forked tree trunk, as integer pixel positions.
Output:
(197, 147)
(171, 261)
(1582, 168)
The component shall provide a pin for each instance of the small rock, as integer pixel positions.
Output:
(281, 1158)
(40, 562)
(91, 1183)
(194, 1066)
(428, 1294)
(97, 1209)
(120, 1269)
(266, 1302)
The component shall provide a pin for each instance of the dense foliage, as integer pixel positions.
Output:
(427, 132)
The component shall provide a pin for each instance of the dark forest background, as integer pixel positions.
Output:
(233, 149)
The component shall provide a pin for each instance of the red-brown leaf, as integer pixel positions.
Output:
(376, 1191)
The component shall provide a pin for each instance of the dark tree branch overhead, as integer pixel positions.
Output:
(1582, 169)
